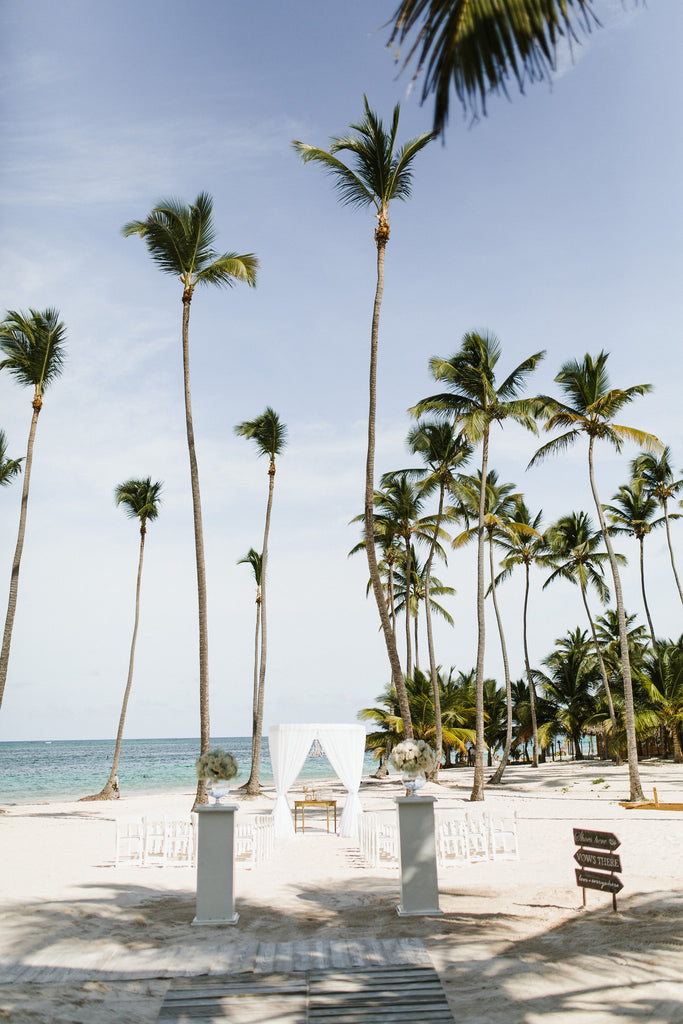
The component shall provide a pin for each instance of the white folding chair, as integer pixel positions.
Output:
(451, 842)
(264, 829)
(245, 843)
(503, 837)
(130, 841)
(178, 842)
(367, 838)
(477, 838)
(387, 843)
(155, 836)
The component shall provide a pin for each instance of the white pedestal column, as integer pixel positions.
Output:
(216, 864)
(417, 846)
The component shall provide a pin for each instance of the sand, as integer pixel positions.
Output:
(513, 944)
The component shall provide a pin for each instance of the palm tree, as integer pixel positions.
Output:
(254, 559)
(569, 684)
(9, 468)
(474, 402)
(590, 409)
(573, 554)
(402, 503)
(522, 539)
(180, 239)
(387, 540)
(381, 173)
(270, 437)
(658, 477)
(418, 595)
(632, 514)
(140, 500)
(444, 451)
(662, 677)
(478, 48)
(33, 348)
(499, 506)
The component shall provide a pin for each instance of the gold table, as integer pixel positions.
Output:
(303, 804)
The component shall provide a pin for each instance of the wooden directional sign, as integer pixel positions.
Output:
(593, 859)
(596, 840)
(594, 880)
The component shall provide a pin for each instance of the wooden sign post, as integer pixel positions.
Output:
(600, 855)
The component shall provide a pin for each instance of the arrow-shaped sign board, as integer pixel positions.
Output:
(596, 840)
(594, 880)
(593, 859)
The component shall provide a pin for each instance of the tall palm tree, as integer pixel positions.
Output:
(658, 477)
(633, 514)
(499, 504)
(388, 541)
(140, 500)
(270, 437)
(9, 468)
(180, 240)
(444, 450)
(255, 560)
(32, 344)
(479, 48)
(573, 555)
(416, 595)
(381, 172)
(522, 540)
(474, 402)
(590, 407)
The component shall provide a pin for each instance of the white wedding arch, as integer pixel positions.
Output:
(344, 746)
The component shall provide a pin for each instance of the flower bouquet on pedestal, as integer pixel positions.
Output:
(217, 767)
(413, 758)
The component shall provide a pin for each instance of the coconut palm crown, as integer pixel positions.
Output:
(9, 468)
(478, 48)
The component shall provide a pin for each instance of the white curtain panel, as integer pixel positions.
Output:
(345, 748)
(288, 745)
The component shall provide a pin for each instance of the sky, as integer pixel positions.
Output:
(554, 222)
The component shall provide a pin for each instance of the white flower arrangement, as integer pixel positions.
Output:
(216, 765)
(413, 756)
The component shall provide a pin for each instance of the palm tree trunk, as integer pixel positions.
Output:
(16, 563)
(254, 782)
(671, 550)
(478, 784)
(676, 740)
(409, 653)
(438, 737)
(392, 603)
(109, 792)
(254, 699)
(605, 682)
(527, 665)
(416, 627)
(636, 789)
(641, 542)
(204, 725)
(389, 638)
(498, 774)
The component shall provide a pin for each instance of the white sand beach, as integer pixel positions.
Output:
(85, 942)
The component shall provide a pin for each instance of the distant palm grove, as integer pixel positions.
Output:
(611, 680)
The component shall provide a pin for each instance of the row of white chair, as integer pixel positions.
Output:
(162, 841)
(470, 838)
(467, 839)
(155, 841)
(255, 842)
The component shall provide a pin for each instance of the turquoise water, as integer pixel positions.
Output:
(68, 769)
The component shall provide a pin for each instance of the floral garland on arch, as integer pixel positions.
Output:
(413, 756)
(216, 765)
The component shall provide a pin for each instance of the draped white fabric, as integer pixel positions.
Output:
(344, 746)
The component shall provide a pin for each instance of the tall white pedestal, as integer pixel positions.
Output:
(216, 864)
(417, 846)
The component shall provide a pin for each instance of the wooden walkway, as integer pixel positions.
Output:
(389, 995)
(70, 963)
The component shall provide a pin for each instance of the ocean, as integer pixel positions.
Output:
(38, 770)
